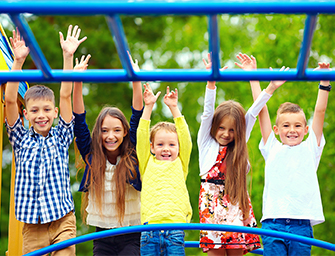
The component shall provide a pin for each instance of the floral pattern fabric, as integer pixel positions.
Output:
(215, 208)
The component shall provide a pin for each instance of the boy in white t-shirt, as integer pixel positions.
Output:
(291, 197)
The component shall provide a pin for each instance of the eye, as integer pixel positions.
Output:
(33, 110)
(172, 145)
(285, 125)
(47, 109)
(231, 130)
(298, 125)
(221, 128)
(104, 130)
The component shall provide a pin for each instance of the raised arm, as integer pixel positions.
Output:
(20, 54)
(149, 100)
(69, 46)
(321, 104)
(250, 63)
(137, 87)
(78, 101)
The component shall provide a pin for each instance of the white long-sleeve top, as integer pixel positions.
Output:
(207, 145)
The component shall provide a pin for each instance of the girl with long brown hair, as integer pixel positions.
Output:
(111, 179)
(224, 164)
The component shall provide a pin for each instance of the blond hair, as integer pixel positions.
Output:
(167, 126)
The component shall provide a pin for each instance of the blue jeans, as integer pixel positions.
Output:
(278, 246)
(162, 242)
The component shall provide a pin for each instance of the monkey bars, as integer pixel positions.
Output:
(112, 10)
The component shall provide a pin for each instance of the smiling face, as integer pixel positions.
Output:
(41, 114)
(112, 133)
(291, 128)
(225, 131)
(165, 145)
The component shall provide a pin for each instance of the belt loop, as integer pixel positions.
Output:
(300, 222)
(274, 220)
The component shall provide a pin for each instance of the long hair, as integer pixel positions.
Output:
(237, 154)
(124, 170)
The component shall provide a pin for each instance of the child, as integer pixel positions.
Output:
(223, 156)
(292, 204)
(43, 199)
(164, 197)
(111, 178)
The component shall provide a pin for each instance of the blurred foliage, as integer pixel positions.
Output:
(181, 42)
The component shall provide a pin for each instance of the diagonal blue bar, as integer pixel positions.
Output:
(306, 44)
(31, 42)
(167, 7)
(116, 28)
(182, 226)
(214, 45)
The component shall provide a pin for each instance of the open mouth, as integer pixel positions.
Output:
(166, 156)
(42, 123)
(110, 143)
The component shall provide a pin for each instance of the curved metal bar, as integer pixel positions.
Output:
(165, 7)
(175, 75)
(181, 226)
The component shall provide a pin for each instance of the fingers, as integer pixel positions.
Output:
(167, 90)
(157, 95)
(225, 67)
(204, 61)
(69, 31)
(61, 37)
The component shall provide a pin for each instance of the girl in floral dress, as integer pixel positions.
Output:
(223, 157)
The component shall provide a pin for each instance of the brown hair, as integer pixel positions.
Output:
(170, 127)
(39, 92)
(237, 154)
(124, 171)
(288, 107)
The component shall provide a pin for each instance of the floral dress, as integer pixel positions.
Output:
(215, 208)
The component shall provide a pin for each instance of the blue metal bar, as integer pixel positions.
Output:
(116, 28)
(173, 75)
(165, 7)
(214, 45)
(306, 44)
(182, 226)
(31, 42)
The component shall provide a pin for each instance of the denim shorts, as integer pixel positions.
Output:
(163, 242)
(279, 246)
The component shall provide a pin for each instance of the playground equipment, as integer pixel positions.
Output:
(112, 10)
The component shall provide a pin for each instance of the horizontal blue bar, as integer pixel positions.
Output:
(181, 226)
(173, 75)
(165, 7)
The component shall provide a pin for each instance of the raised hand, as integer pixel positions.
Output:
(171, 98)
(323, 65)
(278, 83)
(134, 64)
(20, 49)
(72, 41)
(208, 64)
(83, 64)
(149, 97)
(247, 63)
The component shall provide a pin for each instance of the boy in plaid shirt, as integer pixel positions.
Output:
(43, 199)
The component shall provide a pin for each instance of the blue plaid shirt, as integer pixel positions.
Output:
(42, 179)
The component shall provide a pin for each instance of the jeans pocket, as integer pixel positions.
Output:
(176, 237)
(145, 238)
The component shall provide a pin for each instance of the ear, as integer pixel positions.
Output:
(275, 129)
(306, 130)
(25, 114)
(152, 148)
(56, 112)
(125, 133)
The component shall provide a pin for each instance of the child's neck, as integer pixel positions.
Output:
(112, 156)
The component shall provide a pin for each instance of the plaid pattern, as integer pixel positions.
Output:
(42, 179)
